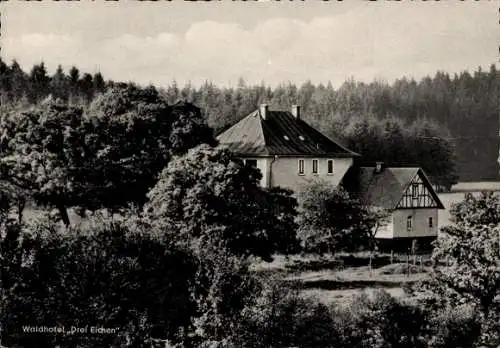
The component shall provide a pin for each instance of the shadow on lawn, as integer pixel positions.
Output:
(330, 284)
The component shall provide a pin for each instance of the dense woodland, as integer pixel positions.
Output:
(398, 123)
(173, 224)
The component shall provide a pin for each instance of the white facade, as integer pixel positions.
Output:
(410, 223)
(285, 171)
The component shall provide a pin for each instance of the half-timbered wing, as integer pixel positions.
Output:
(419, 194)
(392, 188)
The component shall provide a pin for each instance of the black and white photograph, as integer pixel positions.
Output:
(250, 174)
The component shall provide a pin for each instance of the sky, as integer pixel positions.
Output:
(271, 41)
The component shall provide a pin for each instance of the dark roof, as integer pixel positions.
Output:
(384, 189)
(279, 134)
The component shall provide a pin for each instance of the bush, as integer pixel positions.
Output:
(279, 317)
(381, 321)
(223, 287)
(454, 327)
(112, 275)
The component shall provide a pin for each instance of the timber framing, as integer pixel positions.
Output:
(419, 194)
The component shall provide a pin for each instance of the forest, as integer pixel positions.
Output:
(405, 123)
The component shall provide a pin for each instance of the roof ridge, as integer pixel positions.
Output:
(280, 133)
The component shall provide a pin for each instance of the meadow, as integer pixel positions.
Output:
(337, 279)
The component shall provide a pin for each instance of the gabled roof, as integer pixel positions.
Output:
(386, 188)
(280, 133)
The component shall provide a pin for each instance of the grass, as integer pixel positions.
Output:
(336, 279)
(344, 297)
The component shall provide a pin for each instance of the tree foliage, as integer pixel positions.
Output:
(467, 266)
(477, 210)
(278, 317)
(110, 275)
(107, 156)
(130, 136)
(383, 321)
(213, 198)
(330, 220)
(39, 152)
(419, 144)
(223, 286)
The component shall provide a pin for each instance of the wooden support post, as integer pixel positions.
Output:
(408, 263)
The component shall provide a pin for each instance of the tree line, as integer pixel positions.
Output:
(75, 87)
(461, 111)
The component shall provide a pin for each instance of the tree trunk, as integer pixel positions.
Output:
(21, 203)
(64, 214)
(370, 260)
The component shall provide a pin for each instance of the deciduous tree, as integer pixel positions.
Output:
(467, 266)
(131, 134)
(40, 150)
(330, 220)
(213, 198)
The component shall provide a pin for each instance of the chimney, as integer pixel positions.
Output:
(296, 111)
(263, 110)
(379, 167)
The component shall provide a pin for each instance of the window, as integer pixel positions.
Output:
(251, 163)
(330, 166)
(431, 223)
(301, 167)
(315, 166)
(414, 191)
(409, 223)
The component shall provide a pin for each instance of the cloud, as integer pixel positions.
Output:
(367, 42)
(33, 48)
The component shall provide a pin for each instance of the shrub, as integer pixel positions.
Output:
(453, 327)
(109, 275)
(381, 321)
(223, 287)
(279, 317)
